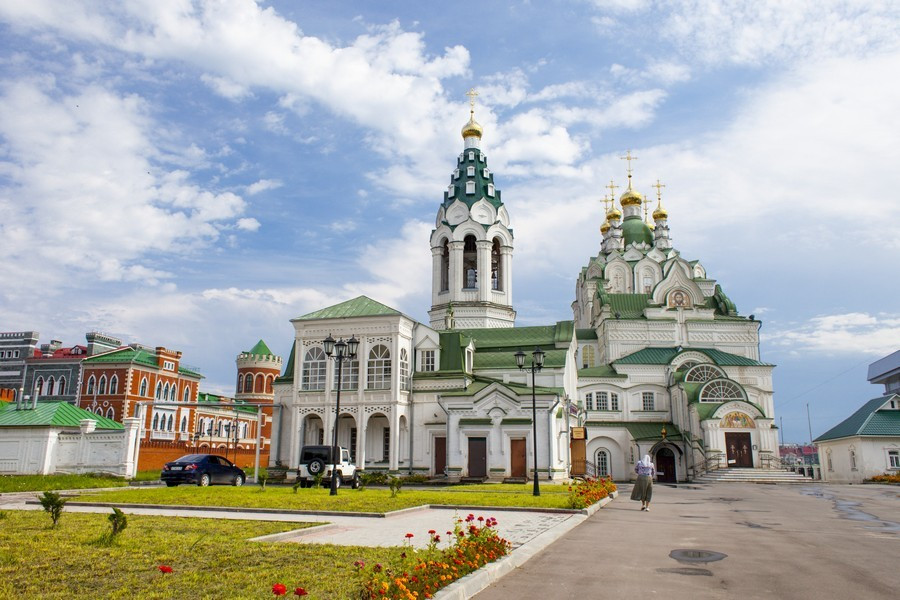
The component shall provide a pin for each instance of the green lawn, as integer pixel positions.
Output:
(40, 483)
(210, 559)
(376, 500)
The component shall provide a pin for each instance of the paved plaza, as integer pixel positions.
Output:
(814, 541)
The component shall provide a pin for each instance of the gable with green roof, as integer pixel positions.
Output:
(51, 414)
(869, 420)
(361, 306)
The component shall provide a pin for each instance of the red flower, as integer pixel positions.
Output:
(409, 535)
(165, 568)
(300, 592)
(279, 589)
(431, 531)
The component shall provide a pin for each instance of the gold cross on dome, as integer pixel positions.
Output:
(612, 189)
(629, 158)
(472, 94)
(606, 200)
(658, 187)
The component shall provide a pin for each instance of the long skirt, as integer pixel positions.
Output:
(643, 489)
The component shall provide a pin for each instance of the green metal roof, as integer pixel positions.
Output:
(600, 371)
(261, 349)
(586, 334)
(869, 420)
(138, 356)
(479, 383)
(664, 356)
(506, 359)
(51, 414)
(627, 306)
(288, 375)
(641, 430)
(361, 306)
(634, 230)
(514, 337)
(481, 182)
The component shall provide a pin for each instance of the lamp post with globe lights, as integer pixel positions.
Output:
(338, 351)
(537, 363)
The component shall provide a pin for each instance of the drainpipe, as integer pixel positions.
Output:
(550, 438)
(447, 436)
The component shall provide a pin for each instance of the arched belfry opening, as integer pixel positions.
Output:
(445, 266)
(470, 264)
(496, 267)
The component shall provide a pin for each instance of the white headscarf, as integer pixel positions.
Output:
(646, 461)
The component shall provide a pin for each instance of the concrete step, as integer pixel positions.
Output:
(733, 475)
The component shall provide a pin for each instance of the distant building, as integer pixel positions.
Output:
(15, 347)
(53, 372)
(867, 443)
(799, 454)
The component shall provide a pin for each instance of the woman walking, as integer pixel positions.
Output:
(643, 487)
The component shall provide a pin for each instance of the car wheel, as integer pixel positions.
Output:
(238, 481)
(204, 480)
(355, 484)
(171, 484)
(316, 466)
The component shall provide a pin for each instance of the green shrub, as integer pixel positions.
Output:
(395, 484)
(118, 521)
(262, 477)
(416, 478)
(373, 478)
(53, 503)
(317, 479)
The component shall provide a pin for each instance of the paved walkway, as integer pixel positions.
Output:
(814, 541)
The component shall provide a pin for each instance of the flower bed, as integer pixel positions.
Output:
(584, 493)
(421, 573)
(887, 478)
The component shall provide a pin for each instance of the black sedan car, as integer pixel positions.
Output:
(202, 469)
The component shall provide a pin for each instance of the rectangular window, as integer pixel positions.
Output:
(321, 437)
(602, 401)
(648, 403)
(486, 173)
(471, 155)
(613, 402)
(470, 187)
(379, 374)
(470, 171)
(349, 375)
(491, 190)
(894, 459)
(386, 444)
(428, 360)
(451, 191)
(456, 174)
(589, 401)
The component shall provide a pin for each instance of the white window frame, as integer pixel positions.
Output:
(470, 171)
(404, 369)
(451, 191)
(605, 471)
(589, 401)
(378, 368)
(602, 400)
(470, 187)
(893, 460)
(428, 360)
(648, 399)
(315, 369)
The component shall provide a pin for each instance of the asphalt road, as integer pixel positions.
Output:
(813, 541)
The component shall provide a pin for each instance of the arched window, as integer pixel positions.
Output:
(445, 266)
(248, 383)
(852, 459)
(48, 390)
(102, 386)
(61, 386)
(314, 365)
(186, 396)
(143, 391)
(270, 379)
(114, 385)
(496, 266)
(90, 386)
(240, 383)
(171, 426)
(165, 393)
(721, 390)
(602, 463)
(404, 369)
(158, 390)
(110, 414)
(39, 386)
(703, 372)
(687, 365)
(259, 383)
(470, 263)
(587, 357)
(155, 422)
(173, 393)
(183, 423)
(378, 371)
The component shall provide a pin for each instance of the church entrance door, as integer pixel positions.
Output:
(579, 458)
(517, 466)
(737, 448)
(477, 457)
(665, 466)
(440, 455)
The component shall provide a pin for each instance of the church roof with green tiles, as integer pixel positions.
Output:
(481, 180)
(871, 419)
(664, 356)
(51, 414)
(288, 375)
(600, 371)
(586, 334)
(626, 306)
(261, 349)
(526, 338)
(479, 383)
(361, 306)
(506, 359)
(640, 430)
(139, 355)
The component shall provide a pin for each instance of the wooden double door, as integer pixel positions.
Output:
(739, 450)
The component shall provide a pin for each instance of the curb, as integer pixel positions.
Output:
(229, 509)
(471, 584)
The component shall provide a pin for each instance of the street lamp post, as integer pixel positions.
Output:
(338, 351)
(537, 362)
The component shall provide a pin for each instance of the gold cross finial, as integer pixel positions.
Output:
(629, 158)
(658, 187)
(612, 189)
(472, 94)
(646, 204)
(606, 200)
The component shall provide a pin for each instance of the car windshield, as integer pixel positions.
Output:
(191, 458)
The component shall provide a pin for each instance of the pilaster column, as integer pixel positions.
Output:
(456, 267)
(506, 271)
(436, 274)
(484, 269)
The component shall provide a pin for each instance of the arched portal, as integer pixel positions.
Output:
(665, 466)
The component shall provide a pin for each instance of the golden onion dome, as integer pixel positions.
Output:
(650, 224)
(472, 128)
(614, 213)
(660, 213)
(605, 227)
(631, 198)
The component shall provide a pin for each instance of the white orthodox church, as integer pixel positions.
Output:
(656, 360)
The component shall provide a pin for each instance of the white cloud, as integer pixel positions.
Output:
(225, 87)
(248, 224)
(847, 333)
(263, 185)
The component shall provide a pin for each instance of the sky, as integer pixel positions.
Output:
(194, 174)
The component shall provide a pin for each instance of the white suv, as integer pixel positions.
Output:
(319, 459)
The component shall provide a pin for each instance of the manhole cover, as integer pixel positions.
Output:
(691, 555)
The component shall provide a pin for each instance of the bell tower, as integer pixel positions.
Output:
(472, 244)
